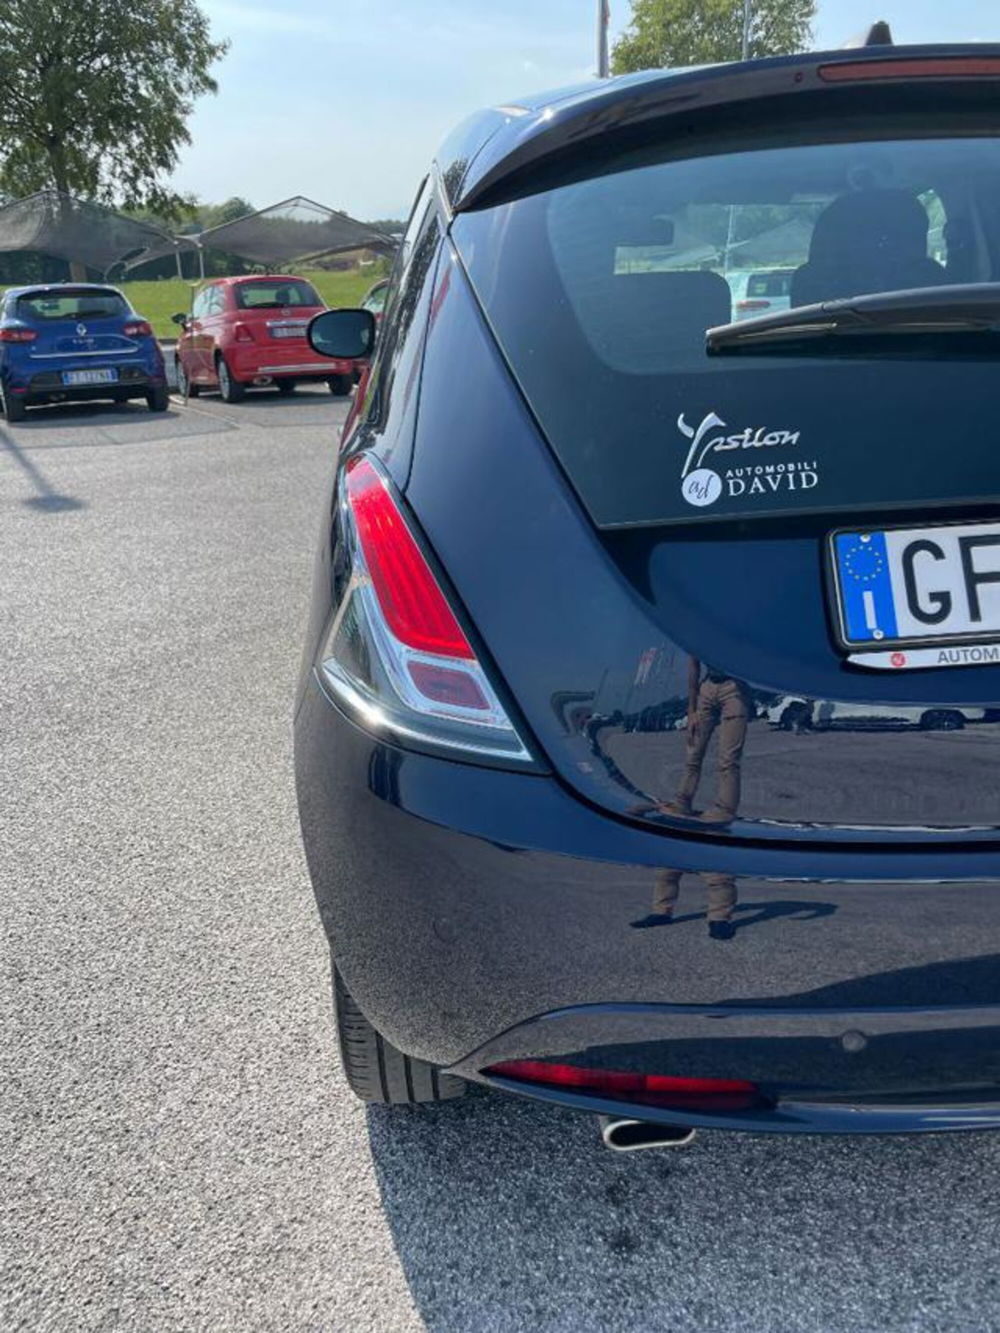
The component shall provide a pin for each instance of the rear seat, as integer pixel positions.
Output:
(871, 241)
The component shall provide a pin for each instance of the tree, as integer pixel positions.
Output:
(215, 215)
(389, 226)
(95, 94)
(704, 32)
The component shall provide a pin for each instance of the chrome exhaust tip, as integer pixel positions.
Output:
(623, 1134)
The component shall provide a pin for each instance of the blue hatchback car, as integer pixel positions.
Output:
(64, 342)
(588, 527)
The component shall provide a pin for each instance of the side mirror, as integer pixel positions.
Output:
(346, 334)
(180, 319)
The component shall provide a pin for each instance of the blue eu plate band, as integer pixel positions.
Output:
(865, 586)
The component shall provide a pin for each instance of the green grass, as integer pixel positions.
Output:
(157, 301)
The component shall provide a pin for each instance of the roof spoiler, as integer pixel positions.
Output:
(565, 130)
(879, 34)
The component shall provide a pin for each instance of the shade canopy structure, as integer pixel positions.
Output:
(57, 224)
(788, 243)
(293, 230)
(289, 232)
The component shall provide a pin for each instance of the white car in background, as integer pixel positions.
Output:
(795, 713)
(760, 291)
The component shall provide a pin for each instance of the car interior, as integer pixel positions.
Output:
(651, 257)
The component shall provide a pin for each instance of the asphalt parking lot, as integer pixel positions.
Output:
(179, 1149)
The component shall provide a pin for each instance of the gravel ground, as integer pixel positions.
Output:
(179, 1150)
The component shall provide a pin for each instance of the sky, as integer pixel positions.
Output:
(345, 101)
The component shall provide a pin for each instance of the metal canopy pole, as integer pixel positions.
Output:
(603, 15)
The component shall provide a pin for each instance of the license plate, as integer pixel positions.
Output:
(289, 331)
(76, 377)
(934, 585)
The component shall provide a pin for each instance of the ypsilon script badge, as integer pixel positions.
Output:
(710, 469)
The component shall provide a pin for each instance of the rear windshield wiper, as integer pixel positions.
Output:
(964, 308)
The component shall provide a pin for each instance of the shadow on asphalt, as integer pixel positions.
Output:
(509, 1215)
(267, 398)
(46, 500)
(66, 415)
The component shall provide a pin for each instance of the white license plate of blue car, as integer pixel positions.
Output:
(937, 584)
(76, 378)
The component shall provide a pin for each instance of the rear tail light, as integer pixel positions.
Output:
(138, 328)
(17, 335)
(414, 606)
(242, 333)
(395, 653)
(663, 1090)
(745, 307)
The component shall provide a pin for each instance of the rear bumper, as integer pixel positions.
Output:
(137, 386)
(480, 916)
(836, 1071)
(248, 362)
(90, 393)
(41, 381)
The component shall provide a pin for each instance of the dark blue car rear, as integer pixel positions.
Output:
(76, 342)
(577, 549)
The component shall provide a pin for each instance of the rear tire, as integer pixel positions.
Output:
(796, 717)
(286, 386)
(13, 408)
(184, 386)
(375, 1069)
(340, 385)
(232, 390)
(942, 719)
(158, 399)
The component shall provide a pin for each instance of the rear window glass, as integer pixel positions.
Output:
(275, 295)
(71, 305)
(600, 291)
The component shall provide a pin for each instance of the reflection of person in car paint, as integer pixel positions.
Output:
(716, 702)
(721, 902)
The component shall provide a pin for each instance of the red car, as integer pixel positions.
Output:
(374, 300)
(249, 332)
